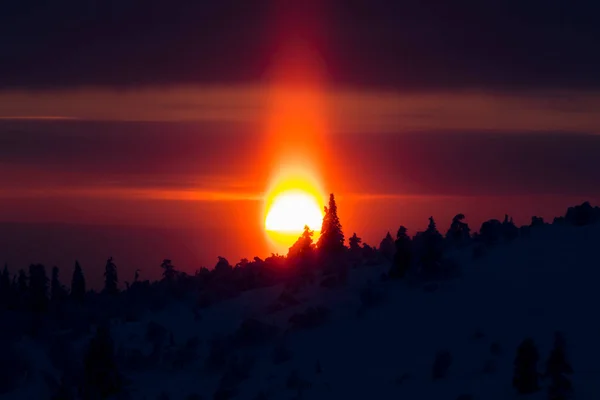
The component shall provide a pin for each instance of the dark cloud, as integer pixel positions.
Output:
(400, 44)
(179, 156)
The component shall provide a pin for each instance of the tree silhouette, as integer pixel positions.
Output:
(331, 241)
(387, 247)
(403, 254)
(525, 378)
(509, 229)
(354, 243)
(459, 231)
(432, 247)
(101, 377)
(5, 289)
(110, 277)
(22, 286)
(303, 247)
(557, 367)
(57, 291)
(78, 284)
(38, 288)
(169, 271)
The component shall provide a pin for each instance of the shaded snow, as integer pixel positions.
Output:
(530, 287)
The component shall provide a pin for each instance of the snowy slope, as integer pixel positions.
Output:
(530, 287)
(527, 288)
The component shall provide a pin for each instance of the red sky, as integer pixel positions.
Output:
(184, 121)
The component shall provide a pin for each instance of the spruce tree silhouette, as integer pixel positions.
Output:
(110, 277)
(57, 291)
(331, 241)
(169, 271)
(459, 231)
(403, 254)
(38, 288)
(354, 243)
(101, 377)
(5, 289)
(557, 367)
(78, 284)
(303, 247)
(525, 379)
(22, 286)
(432, 249)
(387, 247)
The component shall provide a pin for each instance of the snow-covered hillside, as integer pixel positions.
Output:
(383, 344)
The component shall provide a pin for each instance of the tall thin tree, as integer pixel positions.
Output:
(331, 240)
(111, 280)
(78, 284)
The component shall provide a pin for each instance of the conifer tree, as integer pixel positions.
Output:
(525, 378)
(387, 247)
(354, 243)
(459, 231)
(38, 288)
(403, 254)
(432, 249)
(57, 291)
(304, 246)
(78, 284)
(22, 286)
(110, 277)
(169, 271)
(557, 367)
(5, 289)
(331, 241)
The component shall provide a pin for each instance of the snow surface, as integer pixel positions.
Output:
(530, 287)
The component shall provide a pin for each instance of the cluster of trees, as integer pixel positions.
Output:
(423, 254)
(526, 376)
(30, 291)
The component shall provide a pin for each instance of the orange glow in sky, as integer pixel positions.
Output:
(295, 127)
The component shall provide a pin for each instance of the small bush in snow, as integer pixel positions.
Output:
(156, 333)
(281, 353)
(495, 348)
(252, 332)
(238, 369)
(330, 281)
(489, 367)
(224, 393)
(371, 297)
(478, 251)
(441, 364)
(295, 382)
(219, 350)
(163, 396)
(465, 397)
(261, 396)
(478, 334)
(312, 317)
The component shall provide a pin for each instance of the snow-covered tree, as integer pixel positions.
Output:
(525, 378)
(557, 369)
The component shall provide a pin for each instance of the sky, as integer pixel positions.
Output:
(179, 114)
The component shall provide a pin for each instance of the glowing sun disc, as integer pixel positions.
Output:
(291, 211)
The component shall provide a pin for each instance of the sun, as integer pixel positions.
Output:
(291, 210)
